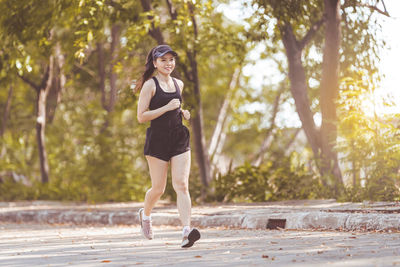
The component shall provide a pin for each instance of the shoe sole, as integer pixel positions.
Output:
(193, 236)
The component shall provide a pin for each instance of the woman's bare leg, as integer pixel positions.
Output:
(158, 172)
(180, 169)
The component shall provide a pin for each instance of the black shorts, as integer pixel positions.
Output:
(167, 143)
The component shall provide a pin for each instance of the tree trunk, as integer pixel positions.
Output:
(172, 10)
(115, 42)
(355, 170)
(40, 133)
(264, 146)
(154, 32)
(289, 146)
(102, 74)
(298, 88)
(270, 132)
(41, 119)
(197, 124)
(109, 99)
(6, 112)
(218, 137)
(42, 92)
(202, 156)
(217, 154)
(330, 90)
(54, 96)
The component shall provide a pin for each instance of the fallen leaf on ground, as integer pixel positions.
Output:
(105, 261)
(265, 256)
(197, 256)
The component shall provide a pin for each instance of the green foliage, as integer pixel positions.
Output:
(294, 182)
(245, 183)
(382, 188)
(369, 144)
(375, 189)
(99, 167)
(272, 181)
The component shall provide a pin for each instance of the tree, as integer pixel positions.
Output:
(30, 27)
(330, 90)
(298, 25)
(322, 143)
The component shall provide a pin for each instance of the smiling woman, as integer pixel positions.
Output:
(167, 139)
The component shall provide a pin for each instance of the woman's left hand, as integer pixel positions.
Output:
(186, 114)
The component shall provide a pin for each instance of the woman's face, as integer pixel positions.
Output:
(165, 64)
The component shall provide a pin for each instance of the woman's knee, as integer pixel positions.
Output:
(158, 190)
(181, 186)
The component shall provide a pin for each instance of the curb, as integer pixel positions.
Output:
(243, 219)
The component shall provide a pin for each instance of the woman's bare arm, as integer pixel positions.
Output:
(143, 112)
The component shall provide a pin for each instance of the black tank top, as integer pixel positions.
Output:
(169, 119)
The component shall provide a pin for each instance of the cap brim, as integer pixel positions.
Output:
(166, 52)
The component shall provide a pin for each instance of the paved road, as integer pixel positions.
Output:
(68, 245)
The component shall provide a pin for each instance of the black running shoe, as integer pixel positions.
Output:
(189, 240)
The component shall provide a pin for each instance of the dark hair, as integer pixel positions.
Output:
(149, 70)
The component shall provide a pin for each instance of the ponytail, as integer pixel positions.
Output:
(148, 72)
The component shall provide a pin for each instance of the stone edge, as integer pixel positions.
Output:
(294, 220)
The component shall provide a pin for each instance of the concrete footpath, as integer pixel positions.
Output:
(31, 244)
(296, 215)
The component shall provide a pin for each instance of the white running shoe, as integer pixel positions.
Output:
(145, 226)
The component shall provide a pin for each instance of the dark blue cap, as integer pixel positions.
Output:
(161, 50)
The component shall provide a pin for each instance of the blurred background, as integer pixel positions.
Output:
(289, 99)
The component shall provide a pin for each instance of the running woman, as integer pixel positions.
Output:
(167, 139)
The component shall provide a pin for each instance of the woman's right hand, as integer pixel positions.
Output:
(173, 104)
